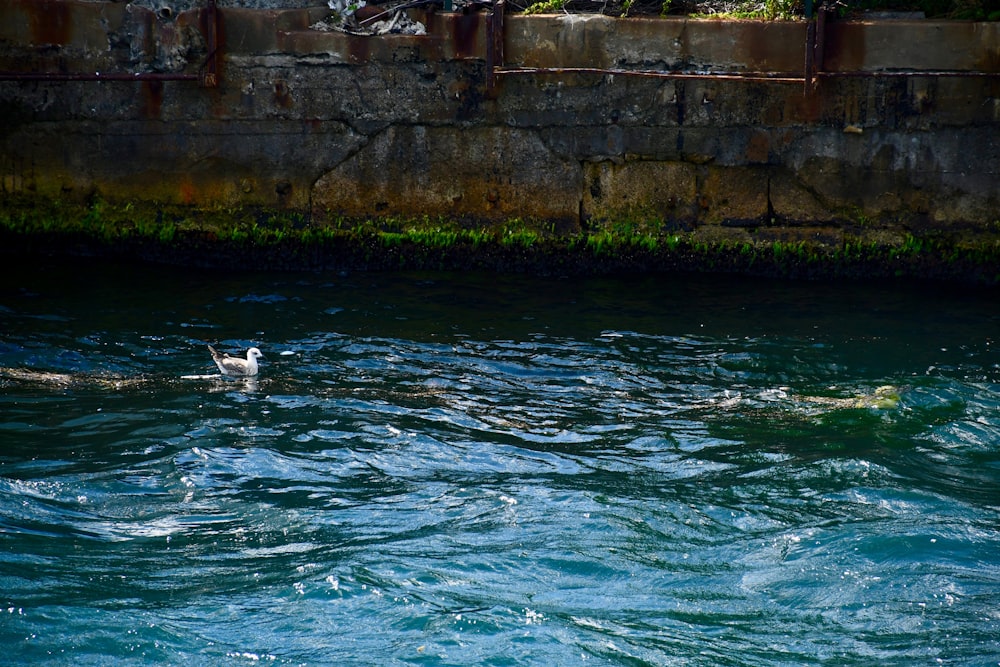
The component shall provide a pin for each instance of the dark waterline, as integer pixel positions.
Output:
(452, 469)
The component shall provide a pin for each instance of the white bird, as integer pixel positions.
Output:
(234, 365)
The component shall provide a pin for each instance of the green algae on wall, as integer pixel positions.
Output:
(280, 240)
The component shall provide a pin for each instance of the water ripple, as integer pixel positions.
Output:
(474, 472)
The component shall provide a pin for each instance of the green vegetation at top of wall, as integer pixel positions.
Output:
(545, 7)
(769, 10)
(974, 10)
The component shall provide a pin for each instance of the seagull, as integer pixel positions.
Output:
(234, 365)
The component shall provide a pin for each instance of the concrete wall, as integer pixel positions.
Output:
(405, 125)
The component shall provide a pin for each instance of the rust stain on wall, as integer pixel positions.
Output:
(152, 98)
(50, 21)
(844, 47)
(758, 147)
(358, 48)
(766, 48)
(282, 95)
(188, 193)
(465, 29)
(216, 94)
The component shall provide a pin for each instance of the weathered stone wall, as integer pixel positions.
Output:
(340, 124)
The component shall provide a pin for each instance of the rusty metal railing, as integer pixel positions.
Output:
(208, 77)
(812, 72)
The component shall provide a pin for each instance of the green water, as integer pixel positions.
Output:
(444, 469)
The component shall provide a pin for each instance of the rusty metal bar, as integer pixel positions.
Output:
(753, 77)
(96, 76)
(812, 71)
(659, 74)
(819, 49)
(908, 73)
(494, 46)
(815, 41)
(210, 75)
(490, 48)
(810, 64)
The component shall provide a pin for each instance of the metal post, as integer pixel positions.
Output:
(494, 46)
(810, 48)
(820, 41)
(210, 77)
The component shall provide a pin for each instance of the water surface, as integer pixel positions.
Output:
(447, 469)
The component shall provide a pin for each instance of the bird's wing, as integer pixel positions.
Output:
(228, 364)
(233, 364)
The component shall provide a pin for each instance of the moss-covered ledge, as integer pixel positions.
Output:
(259, 239)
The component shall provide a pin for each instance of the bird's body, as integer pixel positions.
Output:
(234, 365)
